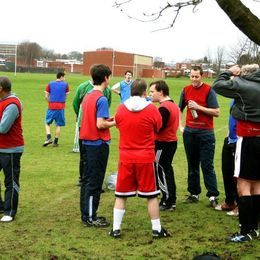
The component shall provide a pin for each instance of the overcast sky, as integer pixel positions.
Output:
(85, 25)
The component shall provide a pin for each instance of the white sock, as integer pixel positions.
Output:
(118, 217)
(156, 224)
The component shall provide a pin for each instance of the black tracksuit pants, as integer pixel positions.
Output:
(228, 165)
(10, 164)
(164, 155)
(93, 176)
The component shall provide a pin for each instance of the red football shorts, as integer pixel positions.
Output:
(137, 178)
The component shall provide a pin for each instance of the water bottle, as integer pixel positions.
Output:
(194, 113)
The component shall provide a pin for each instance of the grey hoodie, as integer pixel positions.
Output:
(246, 92)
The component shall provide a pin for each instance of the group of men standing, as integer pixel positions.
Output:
(147, 144)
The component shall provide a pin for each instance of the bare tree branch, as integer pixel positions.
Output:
(157, 15)
(239, 14)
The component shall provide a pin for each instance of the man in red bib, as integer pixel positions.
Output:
(198, 135)
(11, 147)
(166, 143)
(95, 136)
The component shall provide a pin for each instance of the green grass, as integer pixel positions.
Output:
(48, 225)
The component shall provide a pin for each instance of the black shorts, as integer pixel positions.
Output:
(247, 158)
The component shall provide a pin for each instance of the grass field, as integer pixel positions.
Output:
(48, 225)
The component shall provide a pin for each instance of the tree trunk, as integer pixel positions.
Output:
(242, 18)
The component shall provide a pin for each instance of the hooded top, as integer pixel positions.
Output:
(138, 121)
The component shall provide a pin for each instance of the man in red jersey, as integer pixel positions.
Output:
(166, 143)
(198, 135)
(245, 89)
(11, 147)
(138, 121)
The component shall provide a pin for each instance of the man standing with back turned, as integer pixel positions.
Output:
(198, 135)
(138, 121)
(55, 94)
(11, 147)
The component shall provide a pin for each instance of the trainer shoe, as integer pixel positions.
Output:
(160, 234)
(55, 145)
(225, 207)
(239, 238)
(115, 233)
(167, 207)
(213, 201)
(254, 234)
(98, 222)
(233, 213)
(47, 142)
(6, 219)
(192, 199)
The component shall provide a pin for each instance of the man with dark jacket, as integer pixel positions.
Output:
(244, 87)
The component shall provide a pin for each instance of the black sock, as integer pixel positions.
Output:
(48, 136)
(56, 140)
(256, 211)
(245, 206)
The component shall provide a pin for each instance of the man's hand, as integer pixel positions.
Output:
(235, 70)
(193, 105)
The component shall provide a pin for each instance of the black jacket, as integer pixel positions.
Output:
(246, 92)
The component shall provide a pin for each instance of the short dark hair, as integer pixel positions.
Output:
(138, 88)
(161, 85)
(99, 72)
(129, 71)
(197, 68)
(60, 74)
(6, 84)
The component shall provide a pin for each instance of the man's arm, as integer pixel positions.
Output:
(182, 105)
(10, 114)
(224, 85)
(107, 94)
(76, 101)
(209, 111)
(115, 88)
(103, 119)
(165, 114)
(103, 123)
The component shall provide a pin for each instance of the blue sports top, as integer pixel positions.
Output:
(125, 90)
(58, 90)
(232, 127)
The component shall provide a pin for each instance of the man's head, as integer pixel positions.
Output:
(196, 76)
(100, 74)
(248, 69)
(60, 75)
(138, 88)
(128, 76)
(158, 90)
(5, 86)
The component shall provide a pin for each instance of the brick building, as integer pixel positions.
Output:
(119, 62)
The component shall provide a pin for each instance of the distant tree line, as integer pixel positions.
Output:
(27, 52)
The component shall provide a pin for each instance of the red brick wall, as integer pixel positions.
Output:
(122, 61)
(153, 73)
